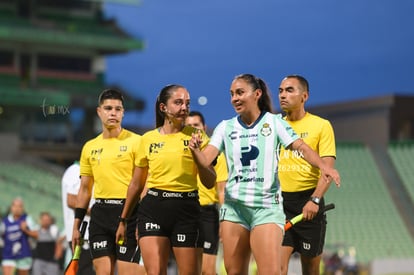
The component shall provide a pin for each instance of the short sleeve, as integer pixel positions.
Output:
(217, 139)
(85, 166)
(327, 146)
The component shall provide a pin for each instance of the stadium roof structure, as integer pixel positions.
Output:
(55, 49)
(52, 70)
(105, 37)
(372, 121)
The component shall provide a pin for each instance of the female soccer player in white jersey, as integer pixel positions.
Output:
(252, 216)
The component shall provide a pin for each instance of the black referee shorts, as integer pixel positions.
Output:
(102, 229)
(170, 214)
(306, 237)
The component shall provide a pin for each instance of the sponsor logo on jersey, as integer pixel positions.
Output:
(252, 179)
(95, 152)
(186, 142)
(153, 148)
(234, 135)
(248, 154)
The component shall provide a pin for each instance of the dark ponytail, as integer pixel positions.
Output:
(265, 101)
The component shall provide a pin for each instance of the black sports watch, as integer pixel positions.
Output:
(315, 200)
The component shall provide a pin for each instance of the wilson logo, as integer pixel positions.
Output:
(306, 246)
(181, 238)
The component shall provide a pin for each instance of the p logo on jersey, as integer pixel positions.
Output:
(249, 153)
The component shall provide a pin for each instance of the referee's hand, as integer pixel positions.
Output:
(120, 237)
(310, 210)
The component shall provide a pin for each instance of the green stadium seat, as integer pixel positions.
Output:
(40, 190)
(401, 154)
(365, 216)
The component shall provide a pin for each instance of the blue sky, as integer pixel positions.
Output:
(346, 49)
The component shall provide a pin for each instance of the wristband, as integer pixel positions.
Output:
(122, 220)
(80, 213)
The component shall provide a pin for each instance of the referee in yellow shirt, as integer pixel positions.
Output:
(302, 187)
(107, 164)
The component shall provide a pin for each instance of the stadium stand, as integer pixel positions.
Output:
(78, 86)
(402, 154)
(40, 190)
(365, 216)
(9, 79)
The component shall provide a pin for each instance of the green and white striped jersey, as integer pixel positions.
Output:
(252, 158)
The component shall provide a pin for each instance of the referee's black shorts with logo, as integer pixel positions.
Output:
(306, 237)
(102, 229)
(170, 214)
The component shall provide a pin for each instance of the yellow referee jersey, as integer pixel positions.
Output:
(295, 173)
(170, 162)
(110, 161)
